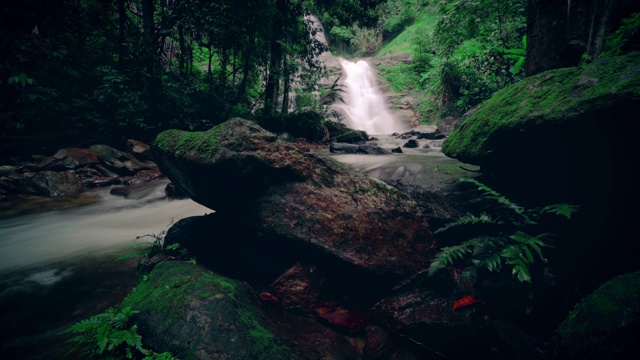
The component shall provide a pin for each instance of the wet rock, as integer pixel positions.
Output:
(173, 192)
(118, 161)
(340, 148)
(139, 149)
(138, 191)
(411, 143)
(378, 344)
(435, 135)
(397, 150)
(70, 158)
(352, 137)
(326, 208)
(299, 287)
(43, 183)
(340, 317)
(144, 176)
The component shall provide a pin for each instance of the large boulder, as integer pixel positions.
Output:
(566, 136)
(195, 314)
(605, 324)
(547, 110)
(243, 171)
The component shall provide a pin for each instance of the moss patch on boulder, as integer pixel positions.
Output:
(195, 314)
(604, 324)
(554, 96)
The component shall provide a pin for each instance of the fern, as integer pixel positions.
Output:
(448, 255)
(508, 246)
(469, 219)
(489, 193)
(106, 335)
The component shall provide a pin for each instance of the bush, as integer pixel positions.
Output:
(306, 124)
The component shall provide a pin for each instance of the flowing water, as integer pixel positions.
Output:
(57, 266)
(364, 102)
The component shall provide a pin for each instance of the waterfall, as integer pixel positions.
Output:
(364, 103)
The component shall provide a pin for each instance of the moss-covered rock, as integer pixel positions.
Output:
(247, 174)
(550, 100)
(196, 314)
(605, 324)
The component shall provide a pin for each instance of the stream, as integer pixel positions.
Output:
(59, 261)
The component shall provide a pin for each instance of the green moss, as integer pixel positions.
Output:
(553, 96)
(174, 289)
(611, 307)
(195, 145)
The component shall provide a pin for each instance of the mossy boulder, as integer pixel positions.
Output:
(196, 314)
(516, 122)
(605, 324)
(247, 174)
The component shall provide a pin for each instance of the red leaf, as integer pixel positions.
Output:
(268, 297)
(466, 301)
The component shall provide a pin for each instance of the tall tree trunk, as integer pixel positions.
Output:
(122, 22)
(152, 62)
(286, 85)
(183, 50)
(273, 79)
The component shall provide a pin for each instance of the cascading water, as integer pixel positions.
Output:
(364, 103)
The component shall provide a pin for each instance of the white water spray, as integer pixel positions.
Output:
(365, 105)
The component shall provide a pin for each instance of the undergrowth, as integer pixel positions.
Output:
(498, 240)
(109, 336)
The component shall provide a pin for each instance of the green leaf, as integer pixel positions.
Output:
(565, 210)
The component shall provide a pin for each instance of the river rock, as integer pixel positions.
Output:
(139, 149)
(411, 143)
(119, 161)
(70, 158)
(340, 148)
(43, 183)
(245, 172)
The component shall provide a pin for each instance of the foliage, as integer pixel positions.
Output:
(305, 124)
(108, 336)
(626, 38)
(147, 250)
(498, 239)
(134, 68)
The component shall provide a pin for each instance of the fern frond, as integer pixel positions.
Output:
(448, 255)
(469, 219)
(565, 210)
(489, 193)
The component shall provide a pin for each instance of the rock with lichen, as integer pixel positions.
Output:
(244, 171)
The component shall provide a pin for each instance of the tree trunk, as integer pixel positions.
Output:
(285, 91)
(273, 79)
(559, 33)
(152, 63)
(122, 22)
